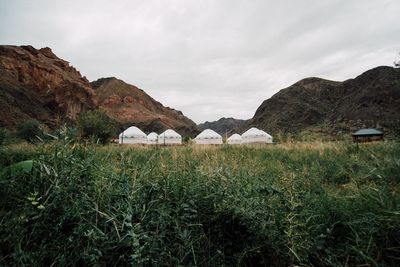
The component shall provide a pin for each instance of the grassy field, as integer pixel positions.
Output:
(320, 204)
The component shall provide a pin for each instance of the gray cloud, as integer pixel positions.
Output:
(210, 58)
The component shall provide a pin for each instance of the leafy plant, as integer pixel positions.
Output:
(30, 131)
(98, 125)
(318, 204)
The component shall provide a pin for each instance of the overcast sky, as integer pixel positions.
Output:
(210, 59)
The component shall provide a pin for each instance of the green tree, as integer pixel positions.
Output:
(96, 124)
(30, 131)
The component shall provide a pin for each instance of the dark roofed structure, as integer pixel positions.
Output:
(367, 135)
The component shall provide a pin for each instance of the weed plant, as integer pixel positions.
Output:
(309, 204)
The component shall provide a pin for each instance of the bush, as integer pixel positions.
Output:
(65, 133)
(80, 205)
(15, 153)
(2, 135)
(98, 125)
(30, 131)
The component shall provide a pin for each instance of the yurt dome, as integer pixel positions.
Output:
(269, 137)
(170, 137)
(254, 135)
(152, 138)
(132, 135)
(234, 139)
(208, 137)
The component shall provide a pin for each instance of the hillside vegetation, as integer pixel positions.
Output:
(223, 125)
(130, 105)
(321, 204)
(35, 84)
(330, 108)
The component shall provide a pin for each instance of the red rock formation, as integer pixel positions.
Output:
(36, 84)
(112, 100)
(138, 108)
(129, 99)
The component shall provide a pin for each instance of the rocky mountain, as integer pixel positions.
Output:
(223, 125)
(129, 105)
(36, 84)
(316, 105)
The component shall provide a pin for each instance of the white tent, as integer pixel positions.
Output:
(152, 138)
(234, 139)
(208, 137)
(269, 137)
(170, 137)
(132, 135)
(254, 135)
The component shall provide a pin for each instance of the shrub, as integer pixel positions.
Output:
(80, 204)
(2, 135)
(65, 133)
(98, 125)
(30, 131)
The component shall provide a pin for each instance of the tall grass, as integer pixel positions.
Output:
(321, 204)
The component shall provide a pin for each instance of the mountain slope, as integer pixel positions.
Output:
(223, 125)
(130, 105)
(36, 84)
(370, 100)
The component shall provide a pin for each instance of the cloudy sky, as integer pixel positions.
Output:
(210, 58)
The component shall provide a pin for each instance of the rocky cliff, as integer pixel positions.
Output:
(316, 105)
(36, 84)
(130, 105)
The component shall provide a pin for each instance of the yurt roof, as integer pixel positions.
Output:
(264, 133)
(208, 133)
(152, 136)
(170, 133)
(368, 132)
(133, 131)
(252, 132)
(235, 137)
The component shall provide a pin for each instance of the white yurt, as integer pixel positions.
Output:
(254, 135)
(170, 137)
(208, 137)
(132, 135)
(234, 139)
(152, 138)
(269, 137)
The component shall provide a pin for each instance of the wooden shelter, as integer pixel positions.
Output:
(367, 135)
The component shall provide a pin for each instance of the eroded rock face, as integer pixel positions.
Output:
(130, 105)
(370, 100)
(129, 99)
(112, 100)
(36, 84)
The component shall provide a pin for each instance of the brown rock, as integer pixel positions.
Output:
(40, 86)
(128, 99)
(112, 100)
(139, 109)
(48, 53)
(36, 84)
(371, 99)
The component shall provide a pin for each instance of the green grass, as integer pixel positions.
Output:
(321, 204)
